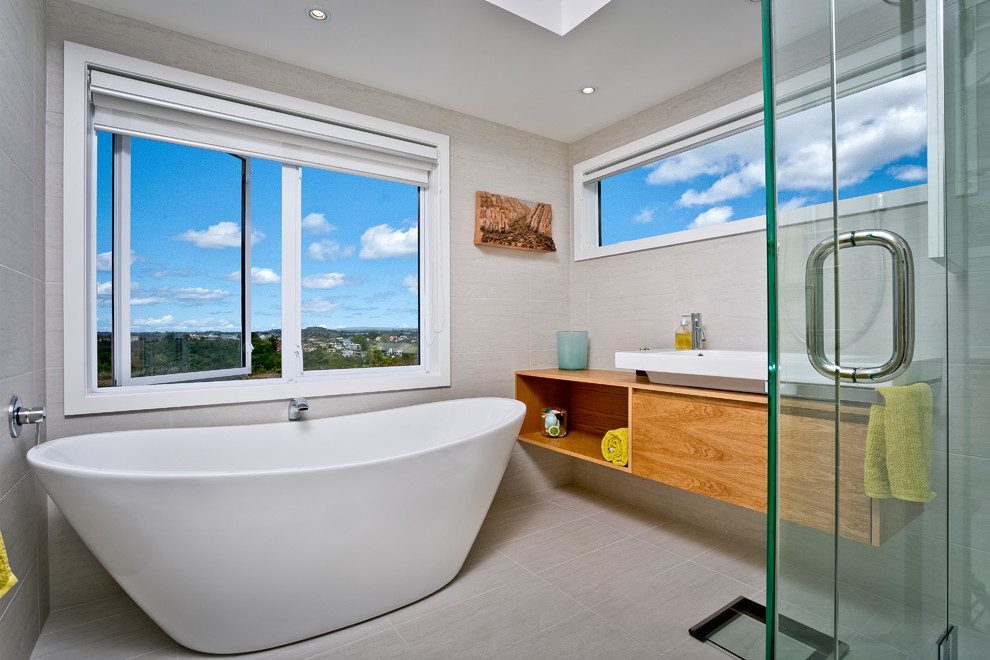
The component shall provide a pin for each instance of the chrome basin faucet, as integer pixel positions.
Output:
(296, 408)
(697, 332)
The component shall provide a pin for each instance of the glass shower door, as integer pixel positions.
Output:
(859, 343)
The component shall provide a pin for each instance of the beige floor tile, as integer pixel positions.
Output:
(740, 561)
(483, 571)
(122, 636)
(502, 527)
(83, 614)
(906, 629)
(682, 538)
(813, 592)
(610, 571)
(489, 622)
(578, 499)
(630, 519)
(382, 646)
(505, 504)
(307, 648)
(659, 611)
(692, 649)
(583, 636)
(556, 545)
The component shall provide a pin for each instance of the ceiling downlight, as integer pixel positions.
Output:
(318, 14)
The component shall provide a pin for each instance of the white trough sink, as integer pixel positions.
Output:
(740, 371)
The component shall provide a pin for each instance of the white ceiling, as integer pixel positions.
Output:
(476, 58)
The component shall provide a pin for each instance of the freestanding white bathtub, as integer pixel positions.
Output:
(242, 538)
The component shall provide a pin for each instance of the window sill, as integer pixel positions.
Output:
(181, 395)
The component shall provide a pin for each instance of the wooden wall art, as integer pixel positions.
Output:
(502, 221)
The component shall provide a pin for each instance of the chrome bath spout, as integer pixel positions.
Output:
(296, 408)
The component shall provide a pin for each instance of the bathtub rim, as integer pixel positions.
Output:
(38, 455)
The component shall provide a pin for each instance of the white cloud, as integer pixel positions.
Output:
(164, 322)
(264, 276)
(793, 203)
(206, 324)
(411, 284)
(104, 261)
(742, 182)
(104, 288)
(324, 281)
(140, 301)
(712, 159)
(328, 249)
(911, 173)
(186, 296)
(316, 223)
(383, 242)
(218, 236)
(179, 272)
(200, 295)
(644, 216)
(168, 322)
(258, 276)
(319, 305)
(715, 216)
(873, 128)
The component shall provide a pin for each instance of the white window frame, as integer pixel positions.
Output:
(301, 121)
(733, 118)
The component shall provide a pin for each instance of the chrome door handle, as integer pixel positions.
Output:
(903, 308)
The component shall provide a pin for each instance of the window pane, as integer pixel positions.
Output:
(880, 145)
(359, 272)
(266, 273)
(185, 302)
(711, 184)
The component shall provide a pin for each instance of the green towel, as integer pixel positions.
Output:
(615, 446)
(7, 579)
(899, 444)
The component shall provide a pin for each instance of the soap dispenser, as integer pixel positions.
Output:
(682, 334)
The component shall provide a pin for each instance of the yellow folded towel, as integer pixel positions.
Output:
(615, 446)
(899, 444)
(7, 579)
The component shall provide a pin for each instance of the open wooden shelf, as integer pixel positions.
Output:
(593, 405)
(580, 444)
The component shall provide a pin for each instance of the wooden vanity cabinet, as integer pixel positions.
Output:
(714, 443)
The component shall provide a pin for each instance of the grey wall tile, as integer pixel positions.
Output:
(77, 576)
(19, 220)
(19, 625)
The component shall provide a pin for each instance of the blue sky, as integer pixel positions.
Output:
(881, 138)
(359, 244)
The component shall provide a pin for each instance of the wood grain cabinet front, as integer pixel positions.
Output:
(713, 447)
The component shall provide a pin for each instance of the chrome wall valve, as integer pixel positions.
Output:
(18, 416)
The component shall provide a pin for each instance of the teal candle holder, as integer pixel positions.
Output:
(572, 349)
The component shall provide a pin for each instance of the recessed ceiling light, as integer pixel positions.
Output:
(588, 90)
(318, 14)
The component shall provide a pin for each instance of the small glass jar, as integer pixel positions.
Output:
(554, 422)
